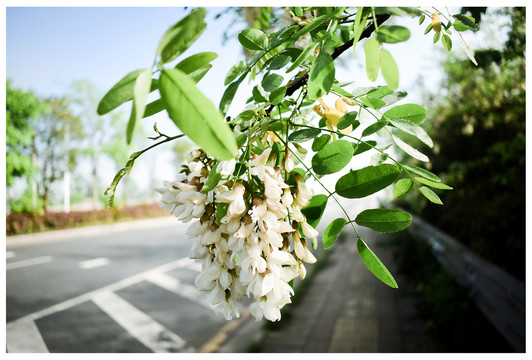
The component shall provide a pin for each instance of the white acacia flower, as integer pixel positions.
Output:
(266, 309)
(308, 230)
(226, 167)
(302, 252)
(259, 167)
(235, 199)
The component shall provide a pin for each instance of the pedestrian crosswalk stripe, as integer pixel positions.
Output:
(141, 326)
(112, 287)
(187, 291)
(24, 337)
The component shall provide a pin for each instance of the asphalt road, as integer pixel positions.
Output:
(125, 290)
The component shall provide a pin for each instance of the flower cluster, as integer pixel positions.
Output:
(245, 230)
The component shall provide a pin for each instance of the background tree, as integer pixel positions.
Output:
(479, 129)
(22, 110)
(54, 154)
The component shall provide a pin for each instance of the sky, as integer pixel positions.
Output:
(48, 47)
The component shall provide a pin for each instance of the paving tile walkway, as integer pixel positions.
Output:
(347, 310)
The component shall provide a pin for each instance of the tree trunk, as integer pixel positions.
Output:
(94, 182)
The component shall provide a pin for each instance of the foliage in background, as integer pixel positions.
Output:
(22, 111)
(479, 129)
(452, 318)
(24, 223)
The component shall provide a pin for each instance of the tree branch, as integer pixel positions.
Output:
(303, 79)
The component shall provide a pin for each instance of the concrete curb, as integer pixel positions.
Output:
(81, 232)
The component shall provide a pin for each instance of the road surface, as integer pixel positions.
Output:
(128, 290)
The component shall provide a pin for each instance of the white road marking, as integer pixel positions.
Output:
(145, 329)
(112, 287)
(184, 262)
(10, 254)
(93, 263)
(28, 262)
(187, 291)
(24, 338)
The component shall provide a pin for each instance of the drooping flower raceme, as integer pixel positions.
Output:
(245, 229)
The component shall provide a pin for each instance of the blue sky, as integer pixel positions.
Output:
(48, 47)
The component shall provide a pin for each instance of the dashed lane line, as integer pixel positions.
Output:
(149, 332)
(93, 263)
(28, 262)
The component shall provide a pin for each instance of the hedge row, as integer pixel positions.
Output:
(23, 223)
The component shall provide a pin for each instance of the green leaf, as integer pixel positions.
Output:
(428, 29)
(390, 71)
(373, 128)
(434, 184)
(277, 95)
(361, 91)
(314, 211)
(402, 187)
(348, 119)
(321, 76)
(423, 172)
(141, 89)
(412, 129)
(392, 34)
(302, 57)
(253, 39)
(213, 180)
(228, 96)
(393, 98)
(235, 71)
(412, 112)
(303, 135)
(447, 42)
(364, 146)
(320, 141)
(416, 154)
(436, 37)
(384, 220)
(463, 21)
(366, 181)
(198, 74)
(272, 82)
(312, 25)
(359, 25)
(195, 62)
(380, 91)
(259, 95)
(179, 37)
(421, 19)
(154, 107)
(371, 102)
(332, 157)
(375, 265)
(195, 115)
(332, 231)
(371, 48)
(221, 210)
(431, 195)
(121, 92)
(279, 61)
(378, 158)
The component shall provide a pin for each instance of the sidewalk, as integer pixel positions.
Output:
(344, 309)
